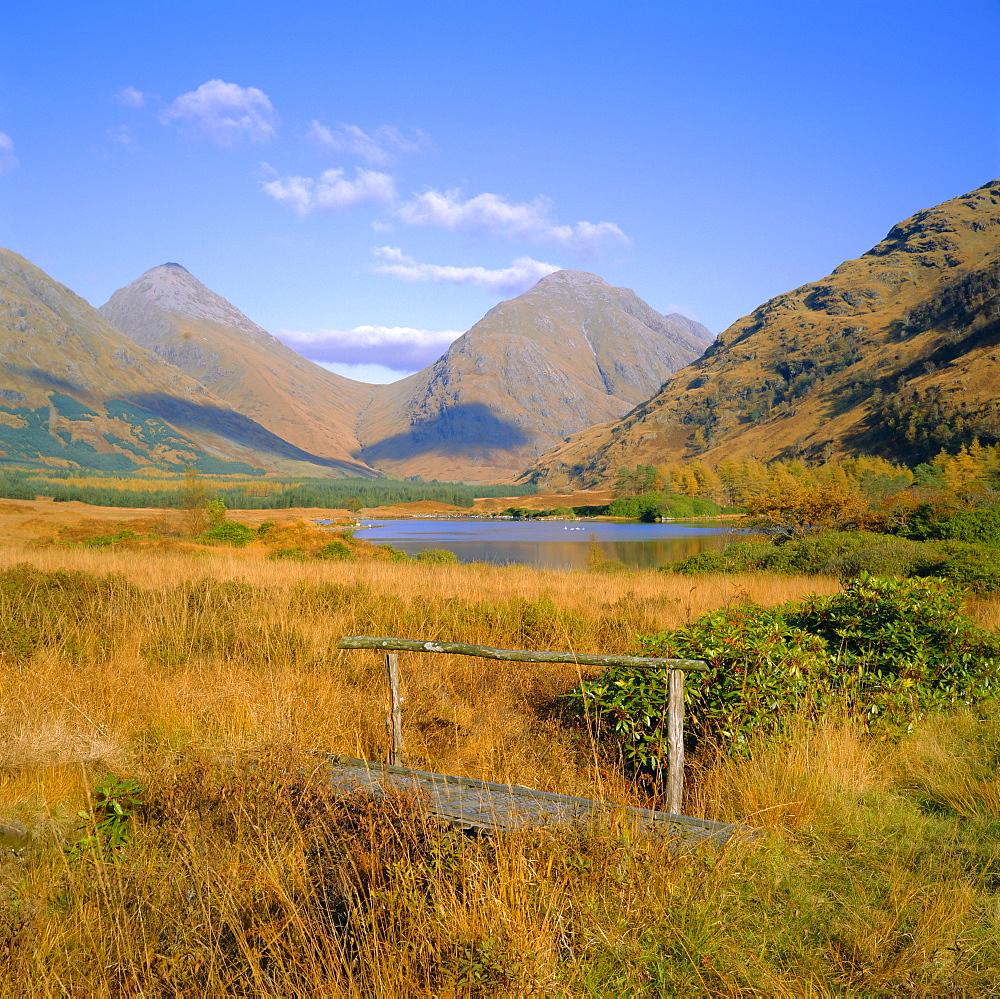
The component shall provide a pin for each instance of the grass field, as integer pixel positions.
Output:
(211, 678)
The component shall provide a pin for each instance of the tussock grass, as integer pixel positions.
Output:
(213, 680)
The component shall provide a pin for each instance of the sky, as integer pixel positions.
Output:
(367, 180)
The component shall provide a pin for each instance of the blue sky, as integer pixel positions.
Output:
(366, 180)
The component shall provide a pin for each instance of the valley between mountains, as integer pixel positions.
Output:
(896, 353)
(168, 373)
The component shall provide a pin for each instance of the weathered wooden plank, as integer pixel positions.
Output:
(513, 655)
(484, 806)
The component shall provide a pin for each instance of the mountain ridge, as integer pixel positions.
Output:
(74, 390)
(571, 351)
(170, 312)
(809, 371)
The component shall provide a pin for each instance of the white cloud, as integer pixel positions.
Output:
(122, 135)
(333, 191)
(131, 98)
(226, 112)
(400, 348)
(490, 215)
(376, 148)
(374, 374)
(520, 276)
(8, 161)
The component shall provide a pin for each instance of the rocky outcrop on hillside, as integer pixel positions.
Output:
(896, 352)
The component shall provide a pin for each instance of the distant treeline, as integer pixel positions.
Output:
(326, 493)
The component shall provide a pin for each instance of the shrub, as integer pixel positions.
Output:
(848, 554)
(107, 828)
(228, 532)
(394, 554)
(336, 550)
(742, 556)
(978, 526)
(109, 540)
(649, 506)
(294, 554)
(440, 556)
(972, 567)
(882, 556)
(886, 650)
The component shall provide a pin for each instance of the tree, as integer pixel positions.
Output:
(194, 502)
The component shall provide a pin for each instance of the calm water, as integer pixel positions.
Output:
(548, 544)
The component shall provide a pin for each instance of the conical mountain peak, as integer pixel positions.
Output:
(171, 288)
(169, 311)
(574, 280)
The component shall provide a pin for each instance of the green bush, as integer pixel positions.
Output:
(395, 554)
(981, 526)
(337, 550)
(970, 566)
(109, 540)
(649, 506)
(228, 532)
(882, 556)
(440, 556)
(886, 650)
(849, 554)
(741, 556)
(293, 554)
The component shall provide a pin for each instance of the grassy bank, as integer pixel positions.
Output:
(213, 682)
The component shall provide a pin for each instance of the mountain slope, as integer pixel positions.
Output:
(75, 391)
(570, 352)
(170, 312)
(895, 352)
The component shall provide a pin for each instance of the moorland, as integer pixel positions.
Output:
(169, 707)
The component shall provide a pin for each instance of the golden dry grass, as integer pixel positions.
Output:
(288, 684)
(213, 678)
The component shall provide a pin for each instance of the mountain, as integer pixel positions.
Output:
(570, 352)
(896, 353)
(170, 312)
(76, 392)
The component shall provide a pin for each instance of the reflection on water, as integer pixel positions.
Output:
(550, 544)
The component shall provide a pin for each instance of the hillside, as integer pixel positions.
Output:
(170, 312)
(570, 352)
(894, 353)
(74, 391)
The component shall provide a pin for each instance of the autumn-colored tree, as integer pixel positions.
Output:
(194, 497)
(795, 502)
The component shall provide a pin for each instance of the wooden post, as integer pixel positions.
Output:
(394, 719)
(675, 741)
